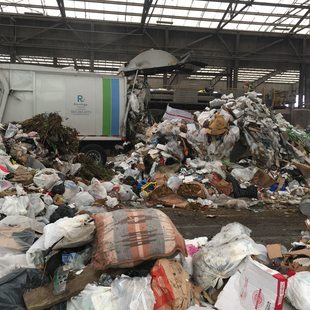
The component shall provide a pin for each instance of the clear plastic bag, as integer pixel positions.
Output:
(298, 290)
(93, 297)
(132, 293)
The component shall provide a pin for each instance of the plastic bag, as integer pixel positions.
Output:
(46, 178)
(97, 189)
(111, 202)
(220, 257)
(174, 183)
(13, 205)
(67, 228)
(15, 284)
(11, 262)
(132, 293)
(93, 297)
(71, 189)
(243, 174)
(11, 131)
(298, 290)
(83, 199)
(36, 205)
(133, 102)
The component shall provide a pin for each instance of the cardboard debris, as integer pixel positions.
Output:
(43, 297)
(255, 287)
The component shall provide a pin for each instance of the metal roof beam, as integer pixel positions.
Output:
(146, 7)
(61, 7)
(300, 21)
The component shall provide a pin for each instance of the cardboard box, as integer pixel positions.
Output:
(257, 287)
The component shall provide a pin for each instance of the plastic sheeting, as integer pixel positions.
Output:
(220, 258)
(13, 286)
(132, 293)
(298, 290)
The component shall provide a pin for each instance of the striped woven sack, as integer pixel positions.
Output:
(128, 237)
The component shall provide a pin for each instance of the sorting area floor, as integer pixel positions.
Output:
(268, 226)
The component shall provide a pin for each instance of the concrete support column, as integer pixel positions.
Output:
(301, 89)
(229, 83)
(55, 62)
(307, 87)
(235, 79)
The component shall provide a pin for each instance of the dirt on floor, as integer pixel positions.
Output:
(268, 226)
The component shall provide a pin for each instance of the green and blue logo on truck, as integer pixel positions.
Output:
(111, 107)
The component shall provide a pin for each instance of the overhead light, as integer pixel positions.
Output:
(282, 28)
(164, 22)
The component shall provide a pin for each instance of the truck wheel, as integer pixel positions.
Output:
(96, 152)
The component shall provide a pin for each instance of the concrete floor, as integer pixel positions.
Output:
(268, 226)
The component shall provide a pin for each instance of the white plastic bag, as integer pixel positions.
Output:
(97, 189)
(93, 297)
(298, 289)
(111, 202)
(132, 293)
(133, 102)
(69, 228)
(83, 199)
(71, 189)
(174, 183)
(36, 205)
(46, 178)
(14, 205)
(243, 174)
(220, 257)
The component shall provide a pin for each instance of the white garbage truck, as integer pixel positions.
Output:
(94, 104)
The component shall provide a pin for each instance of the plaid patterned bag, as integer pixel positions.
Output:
(128, 237)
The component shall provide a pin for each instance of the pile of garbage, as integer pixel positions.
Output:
(137, 259)
(78, 236)
(236, 154)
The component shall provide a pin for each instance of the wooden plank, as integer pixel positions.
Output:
(43, 297)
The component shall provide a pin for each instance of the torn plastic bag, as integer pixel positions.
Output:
(13, 286)
(97, 189)
(13, 205)
(46, 178)
(93, 297)
(220, 257)
(132, 293)
(298, 290)
(24, 221)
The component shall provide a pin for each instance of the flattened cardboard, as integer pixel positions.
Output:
(274, 251)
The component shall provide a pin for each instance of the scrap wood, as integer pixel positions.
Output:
(42, 297)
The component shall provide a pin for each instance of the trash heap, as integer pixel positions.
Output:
(137, 259)
(94, 239)
(236, 154)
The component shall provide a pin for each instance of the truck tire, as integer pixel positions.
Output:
(95, 151)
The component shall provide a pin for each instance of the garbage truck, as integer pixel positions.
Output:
(94, 104)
